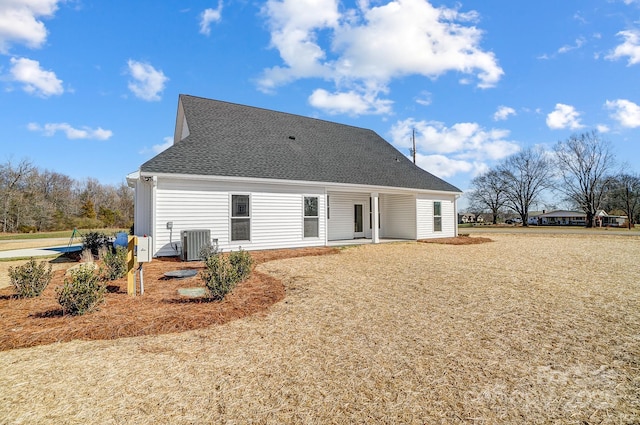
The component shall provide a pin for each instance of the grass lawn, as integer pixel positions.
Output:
(530, 328)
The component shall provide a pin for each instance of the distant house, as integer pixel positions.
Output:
(602, 219)
(465, 218)
(261, 179)
(559, 218)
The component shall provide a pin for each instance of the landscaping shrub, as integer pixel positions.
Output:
(82, 292)
(241, 261)
(219, 276)
(115, 263)
(30, 279)
(223, 272)
(93, 241)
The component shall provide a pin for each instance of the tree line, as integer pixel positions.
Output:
(42, 200)
(581, 170)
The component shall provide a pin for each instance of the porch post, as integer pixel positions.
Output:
(375, 232)
(455, 215)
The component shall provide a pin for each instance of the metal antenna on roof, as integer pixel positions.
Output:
(413, 150)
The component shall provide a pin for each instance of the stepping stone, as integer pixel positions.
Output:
(193, 292)
(180, 274)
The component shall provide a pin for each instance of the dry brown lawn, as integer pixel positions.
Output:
(527, 329)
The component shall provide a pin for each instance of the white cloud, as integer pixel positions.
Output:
(564, 116)
(424, 99)
(349, 103)
(602, 128)
(147, 83)
(630, 47)
(625, 112)
(35, 80)
(209, 16)
(443, 166)
(72, 133)
(503, 113)
(568, 47)
(463, 147)
(20, 24)
(465, 140)
(372, 45)
(167, 142)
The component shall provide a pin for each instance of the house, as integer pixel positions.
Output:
(602, 219)
(467, 218)
(261, 179)
(560, 218)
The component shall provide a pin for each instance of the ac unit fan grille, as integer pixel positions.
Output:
(192, 242)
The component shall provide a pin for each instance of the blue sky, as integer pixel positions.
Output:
(90, 88)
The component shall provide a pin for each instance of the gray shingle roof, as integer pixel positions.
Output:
(227, 139)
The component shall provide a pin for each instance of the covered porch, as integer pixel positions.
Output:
(369, 217)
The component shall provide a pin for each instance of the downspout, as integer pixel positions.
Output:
(375, 231)
(455, 214)
(327, 207)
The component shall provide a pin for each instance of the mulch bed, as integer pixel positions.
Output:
(459, 240)
(37, 321)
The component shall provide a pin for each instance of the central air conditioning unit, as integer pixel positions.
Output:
(192, 243)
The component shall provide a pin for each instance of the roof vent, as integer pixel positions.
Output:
(292, 137)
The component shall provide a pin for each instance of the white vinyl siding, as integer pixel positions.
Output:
(188, 210)
(275, 212)
(341, 223)
(424, 209)
(398, 216)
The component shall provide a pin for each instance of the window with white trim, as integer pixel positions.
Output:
(311, 217)
(437, 216)
(240, 218)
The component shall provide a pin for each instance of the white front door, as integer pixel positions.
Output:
(358, 227)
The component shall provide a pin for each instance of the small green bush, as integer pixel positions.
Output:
(115, 263)
(241, 261)
(30, 279)
(219, 276)
(93, 241)
(82, 292)
(223, 272)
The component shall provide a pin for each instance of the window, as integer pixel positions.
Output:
(240, 218)
(311, 217)
(437, 217)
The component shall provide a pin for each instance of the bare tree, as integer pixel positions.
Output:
(488, 193)
(31, 199)
(624, 194)
(584, 162)
(12, 178)
(525, 175)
